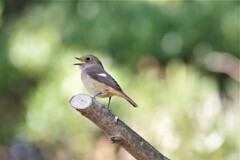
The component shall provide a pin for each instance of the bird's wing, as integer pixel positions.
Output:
(98, 73)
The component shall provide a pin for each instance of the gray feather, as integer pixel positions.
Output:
(95, 71)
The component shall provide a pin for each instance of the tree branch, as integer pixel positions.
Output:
(117, 130)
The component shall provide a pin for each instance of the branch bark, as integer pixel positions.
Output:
(117, 130)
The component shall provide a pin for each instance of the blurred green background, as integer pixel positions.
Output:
(179, 60)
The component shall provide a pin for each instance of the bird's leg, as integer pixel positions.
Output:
(97, 94)
(109, 100)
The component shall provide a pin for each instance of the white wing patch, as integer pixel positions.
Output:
(102, 74)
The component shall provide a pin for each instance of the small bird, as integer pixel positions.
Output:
(97, 81)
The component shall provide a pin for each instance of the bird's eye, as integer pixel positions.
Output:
(88, 58)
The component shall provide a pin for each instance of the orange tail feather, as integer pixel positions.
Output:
(129, 100)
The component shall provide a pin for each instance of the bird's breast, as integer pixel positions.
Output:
(93, 86)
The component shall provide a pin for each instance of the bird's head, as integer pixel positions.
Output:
(88, 60)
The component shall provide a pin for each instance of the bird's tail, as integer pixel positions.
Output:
(129, 100)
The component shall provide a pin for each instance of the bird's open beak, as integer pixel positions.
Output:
(81, 61)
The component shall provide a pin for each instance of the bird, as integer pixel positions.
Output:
(97, 81)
